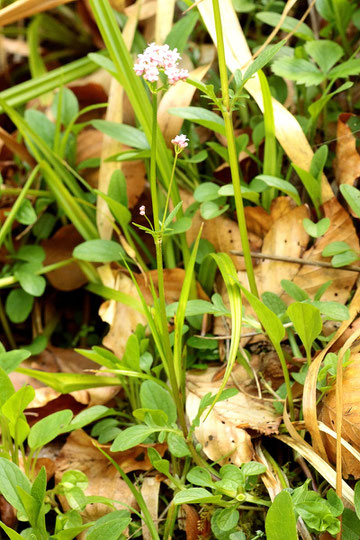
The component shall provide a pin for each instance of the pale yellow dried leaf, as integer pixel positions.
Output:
(224, 430)
(287, 237)
(26, 8)
(323, 468)
(221, 231)
(221, 440)
(80, 453)
(310, 386)
(150, 491)
(350, 417)
(179, 95)
(164, 19)
(147, 10)
(347, 162)
(288, 130)
(310, 278)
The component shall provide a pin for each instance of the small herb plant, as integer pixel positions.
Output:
(226, 176)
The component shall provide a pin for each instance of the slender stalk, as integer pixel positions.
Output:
(9, 220)
(10, 280)
(137, 494)
(285, 370)
(233, 161)
(159, 264)
(269, 166)
(6, 327)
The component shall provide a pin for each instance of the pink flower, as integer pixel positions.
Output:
(180, 142)
(142, 210)
(158, 58)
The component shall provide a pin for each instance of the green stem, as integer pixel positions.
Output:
(161, 286)
(6, 327)
(286, 378)
(10, 280)
(170, 521)
(269, 166)
(294, 346)
(168, 193)
(340, 27)
(233, 161)
(11, 217)
(137, 494)
(5, 190)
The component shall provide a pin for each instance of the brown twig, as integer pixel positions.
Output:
(296, 260)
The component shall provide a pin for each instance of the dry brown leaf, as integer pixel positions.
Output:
(79, 452)
(179, 95)
(222, 232)
(7, 513)
(59, 248)
(287, 237)
(47, 400)
(104, 480)
(189, 521)
(258, 221)
(347, 162)
(150, 491)
(350, 418)
(310, 386)
(310, 278)
(287, 129)
(224, 433)
(19, 149)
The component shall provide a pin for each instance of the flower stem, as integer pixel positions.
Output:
(178, 398)
(233, 161)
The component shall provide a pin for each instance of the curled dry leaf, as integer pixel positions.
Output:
(90, 146)
(7, 513)
(224, 433)
(147, 10)
(80, 452)
(59, 248)
(150, 491)
(287, 237)
(350, 417)
(347, 161)
(221, 231)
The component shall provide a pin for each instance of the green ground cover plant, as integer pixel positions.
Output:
(178, 291)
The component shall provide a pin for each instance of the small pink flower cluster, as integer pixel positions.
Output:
(181, 141)
(142, 210)
(158, 58)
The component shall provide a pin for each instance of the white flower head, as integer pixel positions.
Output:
(180, 142)
(142, 210)
(158, 58)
